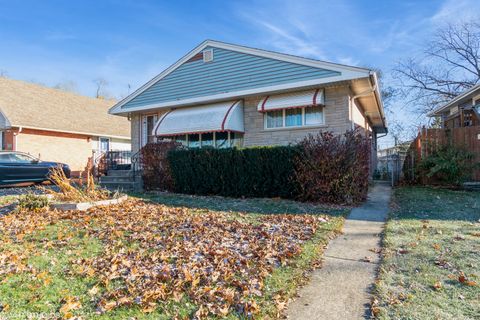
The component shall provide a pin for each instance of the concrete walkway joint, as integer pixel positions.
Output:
(341, 288)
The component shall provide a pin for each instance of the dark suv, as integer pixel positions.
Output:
(19, 167)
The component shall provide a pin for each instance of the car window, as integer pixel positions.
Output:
(22, 158)
(6, 157)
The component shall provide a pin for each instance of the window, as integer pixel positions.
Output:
(181, 139)
(236, 139)
(207, 139)
(275, 119)
(193, 140)
(295, 117)
(22, 158)
(313, 115)
(221, 139)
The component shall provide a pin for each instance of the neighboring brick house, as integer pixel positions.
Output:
(58, 126)
(222, 95)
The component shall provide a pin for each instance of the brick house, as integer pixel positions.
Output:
(58, 126)
(223, 95)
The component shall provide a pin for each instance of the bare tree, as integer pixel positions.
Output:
(101, 84)
(69, 86)
(450, 65)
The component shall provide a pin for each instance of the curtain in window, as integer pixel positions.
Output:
(293, 117)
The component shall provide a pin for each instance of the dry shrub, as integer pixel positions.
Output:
(334, 168)
(70, 192)
(156, 168)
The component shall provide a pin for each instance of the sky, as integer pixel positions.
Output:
(129, 42)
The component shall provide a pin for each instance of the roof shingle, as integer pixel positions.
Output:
(34, 106)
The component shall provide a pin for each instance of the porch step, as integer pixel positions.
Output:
(122, 185)
(119, 173)
(122, 180)
(117, 178)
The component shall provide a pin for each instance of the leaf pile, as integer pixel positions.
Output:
(154, 253)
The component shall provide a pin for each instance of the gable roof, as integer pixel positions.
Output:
(29, 105)
(159, 95)
(458, 99)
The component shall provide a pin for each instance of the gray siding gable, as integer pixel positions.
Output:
(230, 71)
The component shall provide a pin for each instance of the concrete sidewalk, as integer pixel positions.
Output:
(340, 289)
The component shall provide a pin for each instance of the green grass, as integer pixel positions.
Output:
(432, 237)
(51, 251)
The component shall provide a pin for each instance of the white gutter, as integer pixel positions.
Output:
(15, 134)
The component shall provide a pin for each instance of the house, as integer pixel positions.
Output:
(462, 111)
(222, 95)
(58, 126)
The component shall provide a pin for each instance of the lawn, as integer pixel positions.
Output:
(162, 257)
(430, 268)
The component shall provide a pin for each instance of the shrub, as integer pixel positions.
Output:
(448, 165)
(321, 168)
(249, 172)
(333, 168)
(156, 169)
(32, 201)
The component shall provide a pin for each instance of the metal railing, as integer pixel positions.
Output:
(112, 160)
(136, 164)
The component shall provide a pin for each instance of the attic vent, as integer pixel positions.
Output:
(208, 55)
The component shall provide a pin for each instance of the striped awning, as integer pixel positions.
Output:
(292, 100)
(223, 116)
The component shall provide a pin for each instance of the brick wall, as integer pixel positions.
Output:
(71, 149)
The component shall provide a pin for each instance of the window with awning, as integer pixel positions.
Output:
(217, 125)
(296, 109)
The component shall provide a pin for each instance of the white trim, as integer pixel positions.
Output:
(348, 72)
(237, 94)
(72, 132)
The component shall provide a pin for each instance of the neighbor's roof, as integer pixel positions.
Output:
(458, 99)
(34, 106)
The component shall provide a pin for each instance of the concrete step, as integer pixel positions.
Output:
(127, 178)
(119, 173)
(122, 186)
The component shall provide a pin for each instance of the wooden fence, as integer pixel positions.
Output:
(430, 140)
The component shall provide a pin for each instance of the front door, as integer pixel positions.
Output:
(148, 123)
(104, 144)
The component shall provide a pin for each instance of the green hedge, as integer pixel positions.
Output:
(250, 172)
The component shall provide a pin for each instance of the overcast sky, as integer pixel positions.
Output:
(129, 42)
